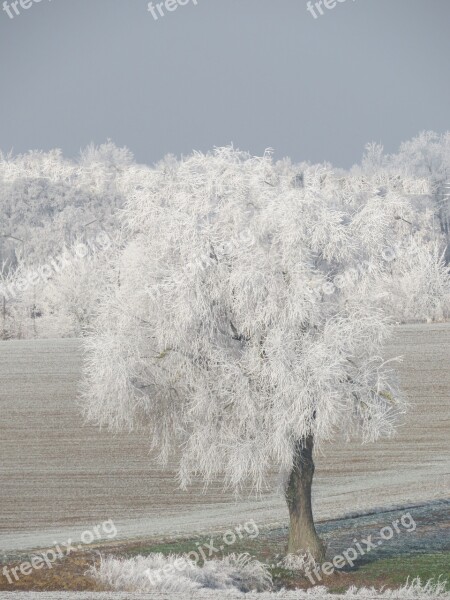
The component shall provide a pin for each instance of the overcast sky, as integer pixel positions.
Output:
(258, 73)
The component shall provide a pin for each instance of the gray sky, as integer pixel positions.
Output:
(257, 73)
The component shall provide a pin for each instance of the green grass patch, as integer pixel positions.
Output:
(394, 572)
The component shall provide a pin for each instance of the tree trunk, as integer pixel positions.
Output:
(302, 532)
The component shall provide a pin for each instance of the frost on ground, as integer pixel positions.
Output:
(173, 573)
(416, 590)
(234, 576)
(413, 589)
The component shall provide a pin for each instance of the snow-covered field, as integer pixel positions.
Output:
(59, 478)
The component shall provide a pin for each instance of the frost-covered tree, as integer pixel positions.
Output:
(231, 332)
(60, 297)
(48, 202)
(426, 156)
(72, 294)
(418, 287)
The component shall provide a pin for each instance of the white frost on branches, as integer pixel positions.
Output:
(223, 335)
(48, 203)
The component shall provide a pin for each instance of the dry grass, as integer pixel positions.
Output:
(68, 574)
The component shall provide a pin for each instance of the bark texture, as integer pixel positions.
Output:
(302, 532)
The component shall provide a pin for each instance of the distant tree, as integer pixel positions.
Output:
(50, 202)
(428, 156)
(72, 293)
(244, 329)
(58, 298)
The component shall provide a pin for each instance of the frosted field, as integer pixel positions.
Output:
(212, 595)
(217, 595)
(59, 478)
